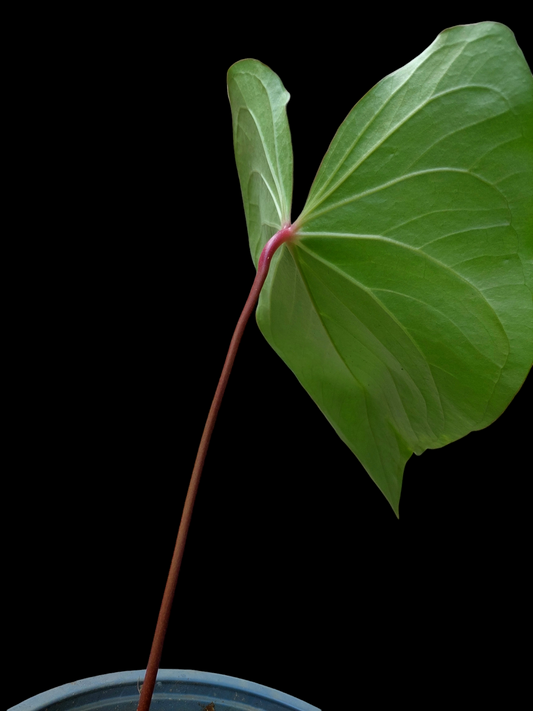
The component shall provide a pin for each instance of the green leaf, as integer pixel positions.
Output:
(404, 306)
(263, 149)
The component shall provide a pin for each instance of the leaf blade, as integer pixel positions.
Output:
(263, 149)
(422, 329)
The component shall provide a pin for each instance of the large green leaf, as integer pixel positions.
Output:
(404, 305)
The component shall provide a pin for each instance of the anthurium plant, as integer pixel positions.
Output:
(401, 296)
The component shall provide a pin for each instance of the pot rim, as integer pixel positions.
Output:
(197, 685)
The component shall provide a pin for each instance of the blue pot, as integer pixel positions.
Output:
(175, 690)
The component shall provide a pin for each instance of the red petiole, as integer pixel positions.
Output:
(284, 235)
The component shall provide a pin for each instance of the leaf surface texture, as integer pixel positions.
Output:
(404, 306)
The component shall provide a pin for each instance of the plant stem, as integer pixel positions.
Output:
(147, 689)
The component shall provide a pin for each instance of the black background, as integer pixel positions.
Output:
(132, 269)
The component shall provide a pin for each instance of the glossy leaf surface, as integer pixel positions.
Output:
(404, 306)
